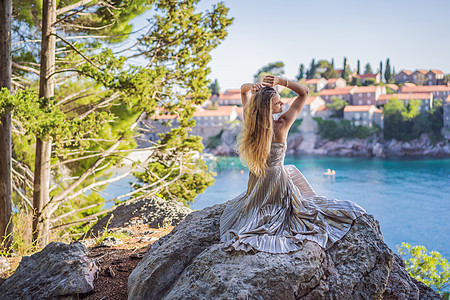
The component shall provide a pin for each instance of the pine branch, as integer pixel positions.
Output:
(25, 68)
(73, 6)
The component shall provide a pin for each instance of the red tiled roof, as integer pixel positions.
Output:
(435, 71)
(407, 72)
(366, 89)
(409, 84)
(312, 81)
(406, 96)
(230, 95)
(356, 108)
(337, 91)
(289, 101)
(333, 80)
(423, 71)
(392, 86)
(322, 108)
(448, 99)
(425, 89)
(233, 91)
(310, 99)
(223, 110)
(368, 75)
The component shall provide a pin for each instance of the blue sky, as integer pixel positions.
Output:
(413, 34)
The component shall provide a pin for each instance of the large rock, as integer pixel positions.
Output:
(154, 212)
(59, 271)
(189, 264)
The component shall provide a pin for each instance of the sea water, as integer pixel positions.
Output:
(409, 197)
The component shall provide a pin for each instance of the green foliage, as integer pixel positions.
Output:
(301, 72)
(405, 123)
(215, 141)
(214, 88)
(388, 75)
(329, 129)
(287, 93)
(275, 68)
(428, 267)
(99, 94)
(337, 106)
(295, 126)
(345, 71)
(176, 171)
(368, 69)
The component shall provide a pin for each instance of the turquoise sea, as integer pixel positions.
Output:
(409, 197)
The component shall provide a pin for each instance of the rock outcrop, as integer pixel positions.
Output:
(308, 142)
(189, 264)
(154, 212)
(59, 271)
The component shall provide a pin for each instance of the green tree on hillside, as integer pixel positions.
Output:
(214, 87)
(301, 72)
(275, 68)
(368, 69)
(337, 106)
(387, 73)
(358, 67)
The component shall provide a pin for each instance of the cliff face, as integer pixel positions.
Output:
(308, 142)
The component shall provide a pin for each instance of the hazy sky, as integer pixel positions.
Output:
(413, 34)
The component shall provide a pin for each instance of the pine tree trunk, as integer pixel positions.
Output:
(5, 129)
(43, 147)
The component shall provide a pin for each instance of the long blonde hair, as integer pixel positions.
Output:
(255, 139)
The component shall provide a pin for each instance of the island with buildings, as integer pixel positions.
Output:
(218, 119)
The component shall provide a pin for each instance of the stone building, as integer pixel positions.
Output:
(439, 91)
(344, 93)
(208, 122)
(367, 95)
(315, 84)
(365, 115)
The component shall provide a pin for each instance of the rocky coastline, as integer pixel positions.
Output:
(310, 143)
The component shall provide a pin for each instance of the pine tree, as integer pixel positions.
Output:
(98, 98)
(387, 72)
(312, 70)
(301, 72)
(381, 71)
(358, 68)
(345, 71)
(332, 63)
(5, 130)
(368, 69)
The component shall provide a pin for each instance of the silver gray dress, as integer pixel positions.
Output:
(281, 210)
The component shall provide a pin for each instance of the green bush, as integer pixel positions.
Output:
(295, 125)
(428, 267)
(405, 123)
(329, 129)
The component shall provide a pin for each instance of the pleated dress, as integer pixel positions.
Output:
(281, 210)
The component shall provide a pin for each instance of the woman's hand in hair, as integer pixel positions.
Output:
(256, 87)
(272, 80)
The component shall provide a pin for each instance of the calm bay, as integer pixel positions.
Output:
(409, 197)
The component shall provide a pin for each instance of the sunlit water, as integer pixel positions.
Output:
(409, 197)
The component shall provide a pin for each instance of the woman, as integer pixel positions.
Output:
(280, 209)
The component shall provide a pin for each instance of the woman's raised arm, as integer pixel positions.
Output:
(297, 104)
(247, 89)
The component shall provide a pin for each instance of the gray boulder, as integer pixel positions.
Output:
(59, 271)
(189, 263)
(154, 212)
